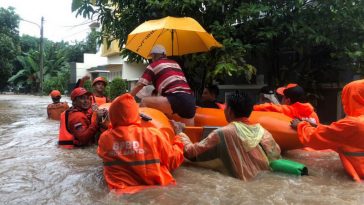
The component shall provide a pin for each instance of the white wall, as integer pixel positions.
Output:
(81, 70)
(132, 71)
(92, 60)
(115, 59)
(89, 60)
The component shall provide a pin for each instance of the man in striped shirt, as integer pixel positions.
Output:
(175, 97)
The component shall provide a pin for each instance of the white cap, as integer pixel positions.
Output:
(158, 49)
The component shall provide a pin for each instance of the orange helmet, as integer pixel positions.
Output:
(79, 92)
(55, 93)
(99, 79)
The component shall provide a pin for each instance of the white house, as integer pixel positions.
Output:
(108, 63)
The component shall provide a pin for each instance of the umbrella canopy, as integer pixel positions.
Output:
(178, 35)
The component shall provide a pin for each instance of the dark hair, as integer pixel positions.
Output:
(266, 90)
(213, 89)
(295, 94)
(240, 103)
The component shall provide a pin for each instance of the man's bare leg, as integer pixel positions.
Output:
(161, 103)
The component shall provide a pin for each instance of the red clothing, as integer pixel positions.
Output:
(136, 157)
(54, 110)
(166, 76)
(296, 110)
(344, 136)
(80, 126)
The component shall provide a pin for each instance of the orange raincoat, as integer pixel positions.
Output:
(136, 157)
(344, 136)
(296, 110)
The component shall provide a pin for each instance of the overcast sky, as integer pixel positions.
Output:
(59, 21)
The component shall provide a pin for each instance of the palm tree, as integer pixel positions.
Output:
(55, 65)
(28, 77)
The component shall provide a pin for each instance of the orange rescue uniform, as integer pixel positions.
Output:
(99, 100)
(344, 136)
(136, 157)
(296, 110)
(81, 127)
(54, 110)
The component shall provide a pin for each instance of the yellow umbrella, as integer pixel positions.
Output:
(178, 35)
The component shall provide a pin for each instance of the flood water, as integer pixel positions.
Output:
(35, 171)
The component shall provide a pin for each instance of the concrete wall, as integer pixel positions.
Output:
(132, 71)
(92, 60)
(114, 59)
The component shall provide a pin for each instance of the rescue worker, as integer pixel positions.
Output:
(79, 118)
(292, 104)
(175, 95)
(244, 149)
(136, 157)
(98, 96)
(55, 109)
(344, 136)
(208, 97)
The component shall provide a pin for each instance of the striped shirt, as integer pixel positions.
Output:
(166, 76)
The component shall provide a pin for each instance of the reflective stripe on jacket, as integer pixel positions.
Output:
(136, 157)
(344, 137)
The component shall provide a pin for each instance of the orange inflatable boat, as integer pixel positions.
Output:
(207, 119)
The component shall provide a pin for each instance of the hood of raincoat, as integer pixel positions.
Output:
(124, 111)
(250, 135)
(353, 98)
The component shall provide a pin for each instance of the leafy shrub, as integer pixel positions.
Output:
(117, 86)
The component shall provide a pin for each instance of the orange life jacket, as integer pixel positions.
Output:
(99, 100)
(65, 138)
(54, 110)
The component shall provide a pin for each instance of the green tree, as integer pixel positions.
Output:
(58, 82)
(56, 68)
(117, 86)
(213, 16)
(306, 41)
(27, 78)
(9, 40)
(28, 43)
(75, 52)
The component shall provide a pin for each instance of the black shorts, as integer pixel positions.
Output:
(183, 104)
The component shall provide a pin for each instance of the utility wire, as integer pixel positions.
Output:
(30, 22)
(81, 24)
(68, 36)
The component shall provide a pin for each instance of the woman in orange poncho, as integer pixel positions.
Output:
(293, 105)
(344, 136)
(136, 157)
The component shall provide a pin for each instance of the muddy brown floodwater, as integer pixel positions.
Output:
(34, 171)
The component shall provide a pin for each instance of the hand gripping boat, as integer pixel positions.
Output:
(207, 119)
